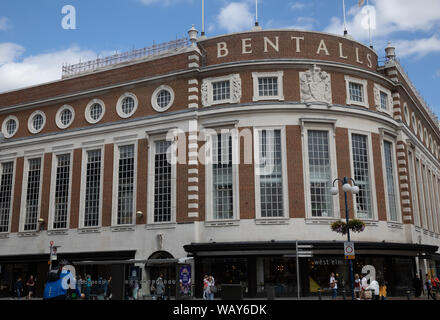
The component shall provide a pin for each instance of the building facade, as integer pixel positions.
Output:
(223, 149)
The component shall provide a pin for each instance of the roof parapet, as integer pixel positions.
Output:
(137, 54)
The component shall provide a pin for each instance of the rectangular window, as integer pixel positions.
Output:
(223, 204)
(361, 169)
(221, 90)
(356, 92)
(62, 191)
(33, 194)
(162, 182)
(383, 100)
(93, 189)
(6, 182)
(125, 185)
(421, 193)
(320, 173)
(390, 176)
(412, 176)
(271, 174)
(268, 87)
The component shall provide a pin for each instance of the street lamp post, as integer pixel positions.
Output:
(355, 190)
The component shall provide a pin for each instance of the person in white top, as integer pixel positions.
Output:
(364, 285)
(333, 285)
(374, 287)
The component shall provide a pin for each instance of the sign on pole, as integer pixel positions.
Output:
(349, 250)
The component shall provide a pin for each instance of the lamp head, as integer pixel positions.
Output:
(334, 191)
(355, 189)
(346, 187)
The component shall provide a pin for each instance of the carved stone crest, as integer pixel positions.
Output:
(315, 86)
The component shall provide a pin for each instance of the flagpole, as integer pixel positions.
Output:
(203, 17)
(369, 25)
(256, 13)
(345, 19)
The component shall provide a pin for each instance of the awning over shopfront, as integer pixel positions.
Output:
(319, 248)
(71, 257)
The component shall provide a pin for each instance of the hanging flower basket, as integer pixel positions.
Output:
(354, 225)
(339, 227)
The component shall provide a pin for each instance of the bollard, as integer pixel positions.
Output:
(408, 294)
(319, 294)
(343, 293)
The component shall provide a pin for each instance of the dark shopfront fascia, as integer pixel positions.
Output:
(256, 265)
(38, 265)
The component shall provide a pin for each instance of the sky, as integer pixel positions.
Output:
(34, 45)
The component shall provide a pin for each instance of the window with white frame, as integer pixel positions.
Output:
(361, 169)
(356, 91)
(126, 178)
(421, 193)
(268, 86)
(384, 101)
(414, 122)
(36, 122)
(61, 197)
(270, 174)
(406, 113)
(221, 90)
(390, 181)
(95, 111)
(10, 126)
(32, 194)
(6, 183)
(65, 116)
(428, 190)
(93, 188)
(426, 195)
(222, 177)
(127, 105)
(162, 182)
(320, 175)
(162, 98)
(412, 176)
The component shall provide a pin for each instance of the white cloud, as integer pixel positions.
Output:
(4, 23)
(391, 16)
(17, 73)
(297, 6)
(162, 2)
(236, 16)
(303, 23)
(417, 48)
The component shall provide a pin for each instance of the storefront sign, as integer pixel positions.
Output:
(349, 250)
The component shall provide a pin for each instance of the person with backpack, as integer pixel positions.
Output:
(58, 284)
(428, 284)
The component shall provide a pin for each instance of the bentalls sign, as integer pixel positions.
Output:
(288, 45)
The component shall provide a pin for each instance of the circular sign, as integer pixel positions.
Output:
(348, 249)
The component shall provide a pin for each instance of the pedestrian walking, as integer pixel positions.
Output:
(435, 285)
(159, 288)
(364, 286)
(18, 287)
(357, 287)
(212, 289)
(333, 286)
(109, 288)
(30, 284)
(374, 287)
(428, 284)
(205, 287)
(79, 284)
(88, 286)
(418, 286)
(383, 290)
